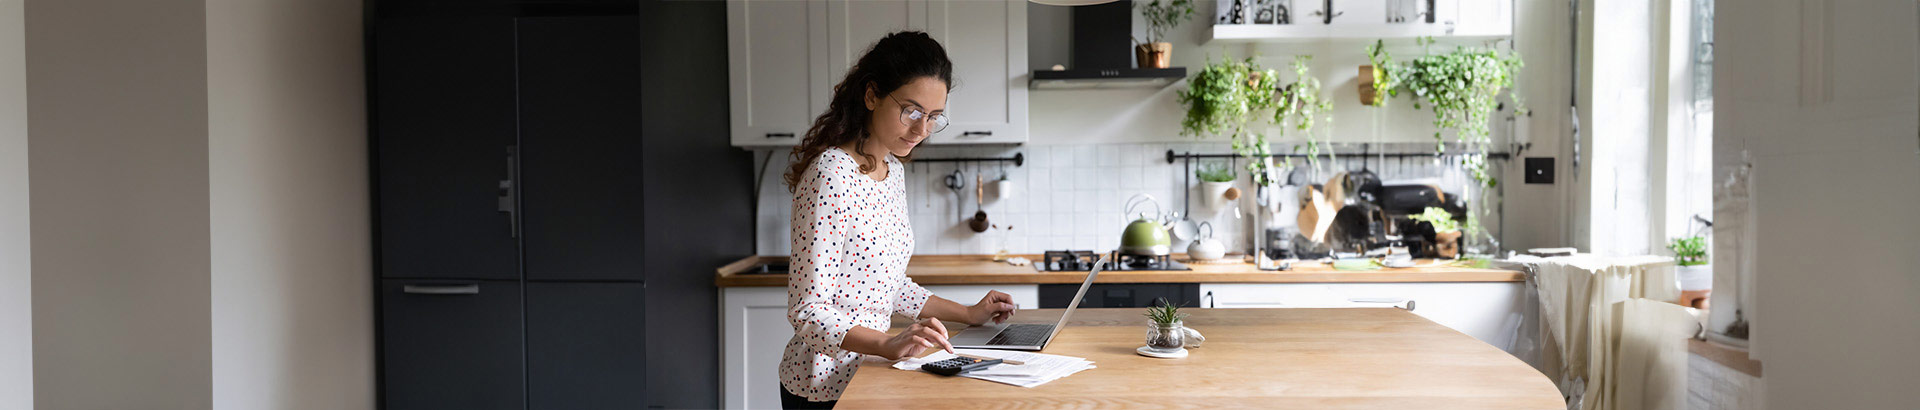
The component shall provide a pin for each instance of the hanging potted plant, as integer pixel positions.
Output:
(1216, 185)
(1375, 85)
(1462, 88)
(1162, 16)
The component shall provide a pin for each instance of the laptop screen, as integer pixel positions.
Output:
(1082, 293)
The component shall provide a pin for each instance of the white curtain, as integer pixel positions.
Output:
(1619, 341)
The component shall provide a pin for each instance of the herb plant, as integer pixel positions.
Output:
(1215, 172)
(1164, 312)
(1441, 220)
(1164, 15)
(1689, 251)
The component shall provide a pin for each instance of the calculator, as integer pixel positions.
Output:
(958, 365)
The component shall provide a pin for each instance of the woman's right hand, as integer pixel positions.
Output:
(916, 339)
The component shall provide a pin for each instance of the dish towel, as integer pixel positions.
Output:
(1617, 342)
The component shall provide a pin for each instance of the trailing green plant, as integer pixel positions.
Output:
(1300, 106)
(1441, 220)
(1462, 87)
(1163, 16)
(1164, 312)
(1222, 99)
(1232, 98)
(1383, 84)
(1215, 172)
(1689, 251)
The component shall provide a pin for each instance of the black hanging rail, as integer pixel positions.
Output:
(1017, 159)
(1365, 152)
(1174, 157)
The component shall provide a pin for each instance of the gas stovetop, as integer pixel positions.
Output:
(1082, 261)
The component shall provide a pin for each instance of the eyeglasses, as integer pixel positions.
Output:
(911, 116)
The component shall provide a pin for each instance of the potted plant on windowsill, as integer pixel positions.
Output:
(1161, 16)
(1695, 270)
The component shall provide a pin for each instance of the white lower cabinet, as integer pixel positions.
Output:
(753, 324)
(1494, 312)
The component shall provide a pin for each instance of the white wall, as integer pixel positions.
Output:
(16, 274)
(1115, 126)
(1822, 97)
(117, 120)
(291, 280)
(199, 205)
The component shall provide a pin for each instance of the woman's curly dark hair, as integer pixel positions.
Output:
(894, 61)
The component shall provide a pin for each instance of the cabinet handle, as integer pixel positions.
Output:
(1209, 299)
(466, 289)
(1326, 9)
(1394, 301)
(977, 133)
(509, 195)
(779, 135)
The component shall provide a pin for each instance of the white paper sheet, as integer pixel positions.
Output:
(1036, 368)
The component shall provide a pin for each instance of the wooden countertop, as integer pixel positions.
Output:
(980, 269)
(1252, 358)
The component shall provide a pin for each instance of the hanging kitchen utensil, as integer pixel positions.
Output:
(1183, 228)
(1003, 188)
(955, 182)
(979, 222)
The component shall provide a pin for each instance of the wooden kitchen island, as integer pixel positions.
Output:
(1487, 304)
(1252, 358)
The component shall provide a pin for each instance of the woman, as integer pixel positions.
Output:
(851, 238)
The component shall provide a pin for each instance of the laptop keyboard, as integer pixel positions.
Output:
(1021, 335)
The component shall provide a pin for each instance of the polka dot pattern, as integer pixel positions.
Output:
(851, 241)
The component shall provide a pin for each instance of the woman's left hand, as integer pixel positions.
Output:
(997, 306)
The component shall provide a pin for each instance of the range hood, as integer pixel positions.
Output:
(1103, 54)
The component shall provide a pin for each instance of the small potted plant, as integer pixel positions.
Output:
(1446, 230)
(1696, 273)
(1216, 185)
(1161, 16)
(1167, 332)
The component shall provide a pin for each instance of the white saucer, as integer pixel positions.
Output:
(1148, 352)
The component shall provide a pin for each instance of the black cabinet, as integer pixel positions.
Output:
(586, 345)
(506, 154)
(1120, 295)
(580, 147)
(443, 123)
(451, 344)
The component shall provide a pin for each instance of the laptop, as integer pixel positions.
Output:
(1024, 336)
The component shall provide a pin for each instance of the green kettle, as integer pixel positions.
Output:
(1145, 236)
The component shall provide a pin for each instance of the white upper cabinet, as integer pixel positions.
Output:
(777, 61)
(787, 55)
(1368, 19)
(987, 41)
(853, 25)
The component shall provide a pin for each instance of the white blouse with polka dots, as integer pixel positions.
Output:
(851, 242)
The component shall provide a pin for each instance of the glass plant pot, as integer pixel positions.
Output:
(1166, 337)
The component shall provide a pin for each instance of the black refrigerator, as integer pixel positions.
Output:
(506, 157)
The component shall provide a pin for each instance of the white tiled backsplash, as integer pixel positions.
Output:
(1066, 196)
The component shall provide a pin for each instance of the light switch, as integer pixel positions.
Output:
(1539, 170)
